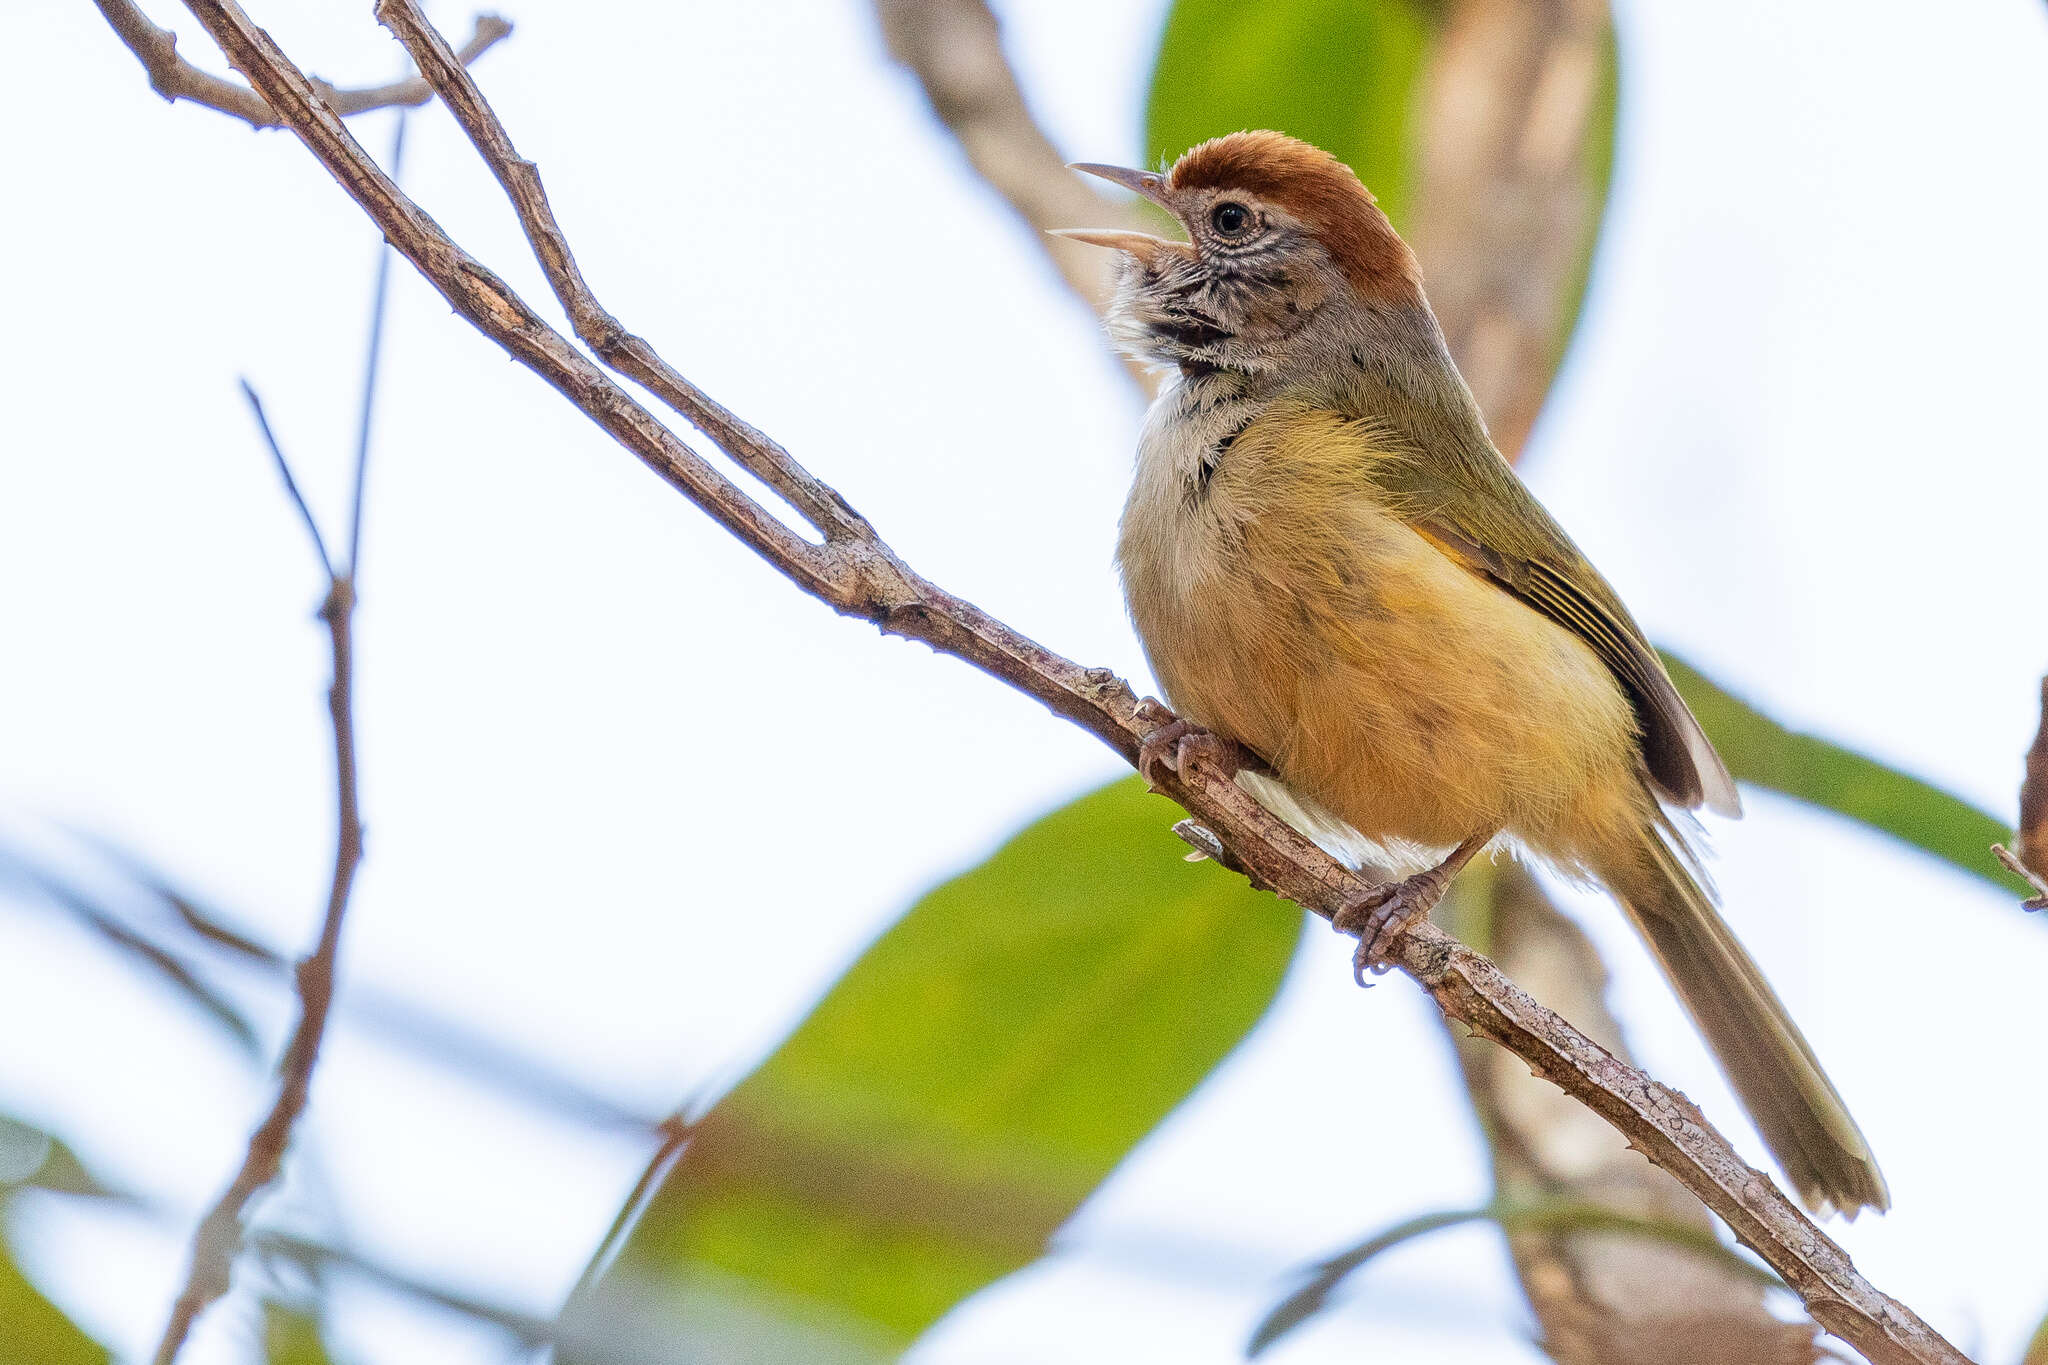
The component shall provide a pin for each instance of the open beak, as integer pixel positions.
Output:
(1147, 183)
(1142, 245)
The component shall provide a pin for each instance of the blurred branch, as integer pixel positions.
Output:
(143, 949)
(1511, 131)
(1599, 1299)
(955, 50)
(855, 572)
(1541, 1214)
(528, 1328)
(177, 79)
(218, 1237)
(476, 1057)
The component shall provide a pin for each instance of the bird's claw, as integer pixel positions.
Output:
(1381, 914)
(1173, 742)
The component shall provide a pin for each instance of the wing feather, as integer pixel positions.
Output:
(1681, 760)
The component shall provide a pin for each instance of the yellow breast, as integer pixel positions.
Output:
(1286, 604)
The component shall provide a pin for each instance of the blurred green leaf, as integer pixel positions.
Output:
(30, 1156)
(34, 1331)
(1761, 751)
(951, 1101)
(1548, 1215)
(1342, 76)
(292, 1336)
(2037, 1346)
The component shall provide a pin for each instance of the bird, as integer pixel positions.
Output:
(1334, 572)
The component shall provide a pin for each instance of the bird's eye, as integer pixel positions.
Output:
(1230, 220)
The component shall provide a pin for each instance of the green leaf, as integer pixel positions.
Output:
(1808, 768)
(1535, 1215)
(31, 1157)
(2037, 1346)
(1342, 76)
(34, 1331)
(947, 1106)
(292, 1336)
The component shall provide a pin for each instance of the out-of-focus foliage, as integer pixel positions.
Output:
(1340, 76)
(32, 1158)
(292, 1336)
(2037, 1347)
(148, 955)
(949, 1104)
(1547, 1215)
(34, 1331)
(1761, 751)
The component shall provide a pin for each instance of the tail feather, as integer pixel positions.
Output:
(1765, 1057)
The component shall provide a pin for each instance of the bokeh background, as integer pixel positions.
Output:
(634, 805)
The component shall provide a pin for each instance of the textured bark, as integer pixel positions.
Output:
(1600, 1298)
(177, 79)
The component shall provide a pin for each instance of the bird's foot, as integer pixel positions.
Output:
(1381, 914)
(1173, 742)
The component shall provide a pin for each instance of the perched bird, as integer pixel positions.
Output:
(1332, 566)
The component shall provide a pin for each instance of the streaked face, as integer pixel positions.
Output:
(1249, 277)
(1279, 232)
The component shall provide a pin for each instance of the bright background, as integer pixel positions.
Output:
(1801, 431)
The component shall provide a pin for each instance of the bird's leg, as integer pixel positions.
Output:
(1173, 741)
(1379, 914)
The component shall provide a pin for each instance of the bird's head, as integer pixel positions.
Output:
(1278, 232)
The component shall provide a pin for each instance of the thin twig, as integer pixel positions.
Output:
(858, 574)
(219, 1234)
(177, 79)
(375, 352)
(218, 1238)
(476, 1057)
(528, 1328)
(2013, 864)
(291, 485)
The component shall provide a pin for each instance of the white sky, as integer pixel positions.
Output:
(1814, 366)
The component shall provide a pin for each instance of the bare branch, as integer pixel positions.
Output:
(1507, 200)
(954, 48)
(859, 575)
(177, 79)
(364, 421)
(219, 1234)
(218, 1238)
(1599, 1299)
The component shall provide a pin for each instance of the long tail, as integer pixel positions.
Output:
(1761, 1050)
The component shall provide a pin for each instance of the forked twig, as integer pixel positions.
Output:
(218, 1237)
(171, 76)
